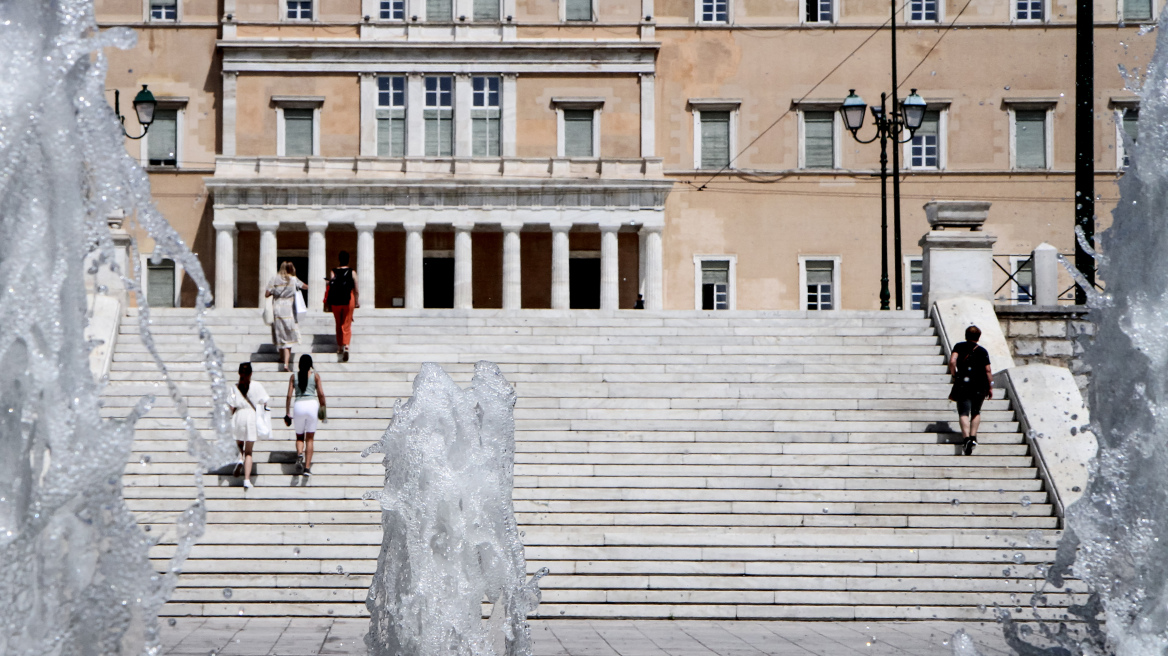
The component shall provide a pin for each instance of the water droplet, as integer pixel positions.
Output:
(955, 502)
(227, 593)
(981, 608)
(330, 611)
(340, 570)
(1026, 502)
(1019, 558)
(825, 511)
(296, 551)
(144, 460)
(171, 621)
(1006, 572)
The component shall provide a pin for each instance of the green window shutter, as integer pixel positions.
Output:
(819, 272)
(160, 284)
(439, 133)
(578, 133)
(486, 10)
(715, 140)
(391, 133)
(1137, 10)
(485, 133)
(298, 132)
(1030, 138)
(162, 142)
(578, 10)
(819, 140)
(1130, 120)
(439, 10)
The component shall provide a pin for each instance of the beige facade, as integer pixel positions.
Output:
(581, 182)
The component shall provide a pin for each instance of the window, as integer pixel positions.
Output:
(299, 9)
(1028, 10)
(923, 11)
(393, 9)
(484, 116)
(715, 139)
(1023, 283)
(578, 10)
(819, 278)
(925, 148)
(818, 140)
(486, 10)
(298, 129)
(716, 285)
(163, 10)
(916, 283)
(717, 11)
(1137, 10)
(578, 136)
(1030, 138)
(162, 139)
(1128, 123)
(439, 116)
(391, 116)
(818, 11)
(439, 10)
(160, 280)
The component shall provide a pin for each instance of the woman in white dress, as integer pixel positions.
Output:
(248, 400)
(283, 287)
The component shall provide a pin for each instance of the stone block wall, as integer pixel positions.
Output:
(1048, 335)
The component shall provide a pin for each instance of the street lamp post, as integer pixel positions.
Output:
(888, 125)
(144, 105)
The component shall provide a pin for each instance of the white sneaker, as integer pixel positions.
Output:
(247, 485)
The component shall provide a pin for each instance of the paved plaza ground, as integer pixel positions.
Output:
(310, 637)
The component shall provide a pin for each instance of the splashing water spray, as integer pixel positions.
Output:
(75, 577)
(1116, 540)
(450, 538)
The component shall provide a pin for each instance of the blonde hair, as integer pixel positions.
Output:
(287, 270)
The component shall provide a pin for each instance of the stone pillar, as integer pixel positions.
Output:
(462, 100)
(648, 111)
(509, 118)
(317, 267)
(414, 265)
(229, 111)
(512, 273)
(561, 292)
(651, 270)
(267, 255)
(415, 121)
(957, 263)
(463, 278)
(368, 109)
(366, 262)
(1044, 260)
(609, 268)
(225, 265)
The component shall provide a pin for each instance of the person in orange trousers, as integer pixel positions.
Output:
(343, 298)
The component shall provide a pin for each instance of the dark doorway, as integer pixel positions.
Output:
(438, 282)
(301, 264)
(584, 283)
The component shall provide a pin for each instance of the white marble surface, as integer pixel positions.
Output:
(954, 315)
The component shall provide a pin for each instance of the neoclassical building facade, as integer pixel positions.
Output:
(589, 153)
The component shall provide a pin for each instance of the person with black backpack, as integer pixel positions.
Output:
(342, 299)
(973, 383)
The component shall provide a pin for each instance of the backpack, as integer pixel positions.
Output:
(340, 290)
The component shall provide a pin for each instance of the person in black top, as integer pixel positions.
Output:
(343, 296)
(973, 382)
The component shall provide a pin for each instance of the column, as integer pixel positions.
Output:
(229, 79)
(609, 268)
(462, 100)
(651, 248)
(1044, 264)
(512, 273)
(415, 121)
(648, 115)
(510, 115)
(225, 265)
(366, 261)
(267, 254)
(463, 283)
(368, 112)
(561, 292)
(414, 265)
(317, 267)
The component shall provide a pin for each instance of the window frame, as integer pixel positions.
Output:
(485, 108)
(699, 11)
(1015, 262)
(594, 104)
(837, 288)
(376, 9)
(942, 142)
(281, 103)
(148, 13)
(834, 19)
(938, 20)
(1155, 13)
(836, 134)
(283, 8)
(1120, 107)
(404, 107)
(1029, 21)
(732, 275)
(144, 262)
(426, 107)
(697, 106)
(564, 13)
(909, 260)
(1045, 105)
(179, 105)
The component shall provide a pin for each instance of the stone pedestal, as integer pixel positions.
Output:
(957, 263)
(1045, 266)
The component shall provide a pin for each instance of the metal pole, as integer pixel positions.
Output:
(1084, 140)
(894, 124)
(882, 129)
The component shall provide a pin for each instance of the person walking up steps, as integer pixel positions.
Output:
(248, 400)
(973, 382)
(343, 298)
(307, 391)
(284, 287)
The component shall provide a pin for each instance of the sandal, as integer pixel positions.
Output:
(345, 355)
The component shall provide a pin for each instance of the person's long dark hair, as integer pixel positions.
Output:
(302, 375)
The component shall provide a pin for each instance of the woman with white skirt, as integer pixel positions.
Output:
(249, 410)
(304, 408)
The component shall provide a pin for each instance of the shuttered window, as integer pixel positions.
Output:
(440, 10)
(164, 10)
(820, 287)
(715, 138)
(391, 116)
(162, 138)
(716, 285)
(1137, 10)
(578, 10)
(298, 132)
(486, 10)
(578, 133)
(484, 116)
(160, 284)
(1131, 117)
(1030, 138)
(439, 116)
(819, 140)
(925, 150)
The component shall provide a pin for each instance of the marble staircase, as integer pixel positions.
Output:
(669, 465)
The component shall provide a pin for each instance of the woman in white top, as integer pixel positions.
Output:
(247, 400)
(305, 387)
(284, 287)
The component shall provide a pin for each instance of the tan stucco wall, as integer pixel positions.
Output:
(620, 122)
(339, 116)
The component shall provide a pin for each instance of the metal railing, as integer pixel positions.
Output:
(1021, 293)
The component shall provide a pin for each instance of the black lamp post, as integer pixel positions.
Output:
(144, 106)
(888, 126)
